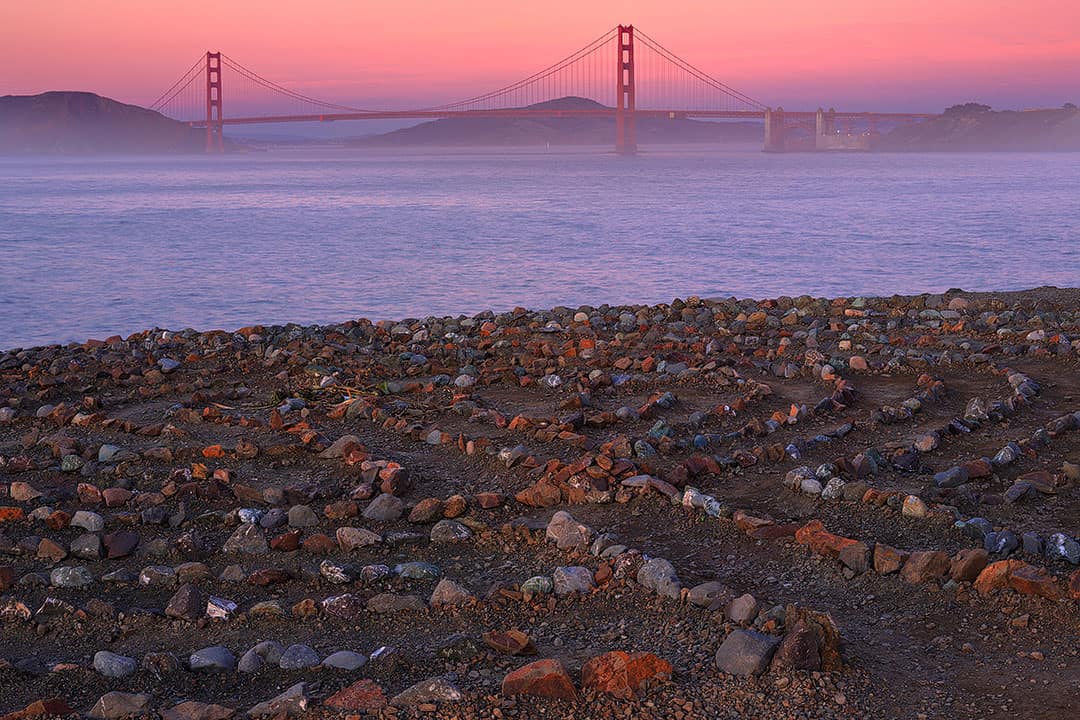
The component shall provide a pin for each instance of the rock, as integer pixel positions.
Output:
(743, 609)
(76, 576)
(624, 674)
(450, 531)
(120, 544)
(115, 704)
(538, 585)
(511, 642)
(426, 511)
(888, 559)
(967, 564)
(351, 538)
(417, 571)
(709, 593)
(745, 652)
(1060, 546)
(89, 521)
(855, 557)
(543, 678)
(194, 710)
(432, 690)
(362, 696)
(659, 576)
(113, 665)
(822, 542)
(569, 580)
(248, 540)
(391, 603)
(384, 508)
(914, 507)
(345, 660)
(798, 650)
(298, 657)
(1003, 542)
(291, 702)
(953, 477)
(924, 566)
(216, 657)
(302, 516)
(568, 533)
(188, 603)
(448, 594)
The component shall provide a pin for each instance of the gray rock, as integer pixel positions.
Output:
(569, 580)
(351, 538)
(1032, 543)
(250, 662)
(567, 533)
(746, 652)
(113, 665)
(953, 477)
(216, 657)
(659, 576)
(450, 531)
(338, 573)
(1060, 546)
(302, 516)
(417, 571)
(707, 593)
(247, 539)
(86, 547)
(743, 609)
(75, 576)
(298, 657)
(114, 705)
(385, 507)
(345, 660)
(1004, 542)
(433, 690)
(391, 603)
(292, 701)
(89, 521)
(538, 585)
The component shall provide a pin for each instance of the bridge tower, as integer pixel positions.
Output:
(775, 130)
(215, 136)
(625, 127)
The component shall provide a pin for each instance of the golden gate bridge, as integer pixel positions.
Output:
(625, 72)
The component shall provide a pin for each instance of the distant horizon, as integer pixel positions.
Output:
(922, 57)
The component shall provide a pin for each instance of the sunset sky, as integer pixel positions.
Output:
(852, 54)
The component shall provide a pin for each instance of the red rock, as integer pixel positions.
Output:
(1030, 580)
(489, 500)
(319, 544)
(427, 510)
(924, 566)
(115, 497)
(888, 559)
(774, 532)
(979, 469)
(748, 523)
(194, 710)
(364, 696)
(269, 576)
(821, 541)
(968, 563)
(540, 495)
(58, 520)
(1074, 586)
(50, 550)
(286, 542)
(341, 510)
(543, 678)
(455, 506)
(624, 674)
(38, 708)
(511, 642)
(88, 494)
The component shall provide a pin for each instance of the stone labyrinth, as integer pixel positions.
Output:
(789, 508)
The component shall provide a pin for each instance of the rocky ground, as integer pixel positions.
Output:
(792, 508)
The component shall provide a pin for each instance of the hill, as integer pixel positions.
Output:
(561, 131)
(974, 127)
(81, 122)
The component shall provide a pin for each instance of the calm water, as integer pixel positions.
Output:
(90, 248)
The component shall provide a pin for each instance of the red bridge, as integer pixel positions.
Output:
(626, 72)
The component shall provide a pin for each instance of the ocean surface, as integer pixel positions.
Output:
(91, 247)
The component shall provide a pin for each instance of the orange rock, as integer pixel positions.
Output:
(39, 708)
(623, 674)
(543, 678)
(511, 642)
(967, 564)
(540, 495)
(888, 559)
(820, 540)
(213, 451)
(995, 576)
(1074, 586)
(11, 514)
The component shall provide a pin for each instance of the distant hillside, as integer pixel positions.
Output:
(561, 131)
(80, 122)
(974, 127)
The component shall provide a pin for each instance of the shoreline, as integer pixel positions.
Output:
(769, 508)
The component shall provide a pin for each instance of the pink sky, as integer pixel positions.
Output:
(852, 54)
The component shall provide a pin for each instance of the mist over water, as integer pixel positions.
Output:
(92, 247)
